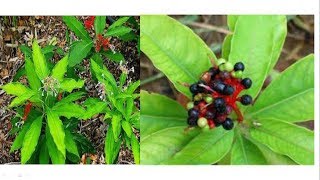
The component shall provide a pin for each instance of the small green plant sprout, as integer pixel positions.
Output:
(98, 43)
(267, 130)
(43, 137)
(121, 113)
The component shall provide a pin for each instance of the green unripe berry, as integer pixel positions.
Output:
(198, 97)
(208, 99)
(206, 128)
(202, 122)
(237, 74)
(228, 66)
(190, 105)
(221, 61)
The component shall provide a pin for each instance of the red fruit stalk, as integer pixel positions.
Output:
(27, 110)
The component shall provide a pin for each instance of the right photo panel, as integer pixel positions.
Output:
(227, 90)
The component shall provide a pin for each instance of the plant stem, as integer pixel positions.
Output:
(152, 78)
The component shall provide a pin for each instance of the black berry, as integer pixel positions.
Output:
(246, 99)
(228, 124)
(239, 66)
(194, 89)
(209, 115)
(192, 121)
(218, 86)
(213, 72)
(193, 113)
(228, 90)
(224, 74)
(246, 82)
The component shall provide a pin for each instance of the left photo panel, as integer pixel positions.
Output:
(69, 90)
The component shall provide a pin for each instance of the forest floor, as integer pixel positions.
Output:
(16, 31)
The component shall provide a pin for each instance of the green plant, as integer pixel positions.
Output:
(43, 135)
(121, 113)
(269, 133)
(87, 47)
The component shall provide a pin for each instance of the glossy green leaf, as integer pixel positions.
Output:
(71, 97)
(232, 20)
(32, 77)
(17, 143)
(104, 76)
(99, 24)
(21, 99)
(93, 106)
(162, 117)
(30, 140)
(113, 56)
(175, 50)
(118, 31)
(135, 148)
(55, 155)
(292, 102)
(56, 130)
(76, 26)
(119, 22)
(274, 158)
(26, 50)
(69, 84)
(129, 107)
(71, 144)
(16, 89)
(60, 69)
(285, 138)
(44, 157)
(40, 63)
(132, 87)
(245, 152)
(257, 42)
(69, 110)
(116, 126)
(111, 148)
(127, 128)
(122, 79)
(226, 47)
(79, 51)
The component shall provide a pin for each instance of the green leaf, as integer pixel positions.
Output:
(135, 148)
(15, 88)
(129, 107)
(292, 102)
(135, 120)
(116, 126)
(119, 22)
(21, 72)
(17, 143)
(71, 144)
(69, 110)
(113, 56)
(132, 87)
(79, 51)
(257, 42)
(175, 50)
(26, 50)
(127, 128)
(93, 106)
(55, 155)
(44, 157)
(56, 130)
(21, 99)
(32, 77)
(285, 138)
(70, 84)
(71, 97)
(40, 63)
(76, 26)
(122, 79)
(162, 117)
(245, 152)
(60, 69)
(30, 140)
(111, 148)
(274, 158)
(118, 31)
(85, 146)
(226, 47)
(232, 20)
(99, 24)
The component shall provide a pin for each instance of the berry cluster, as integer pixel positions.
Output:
(102, 42)
(215, 96)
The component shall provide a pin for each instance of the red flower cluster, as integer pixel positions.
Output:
(216, 94)
(88, 23)
(102, 42)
